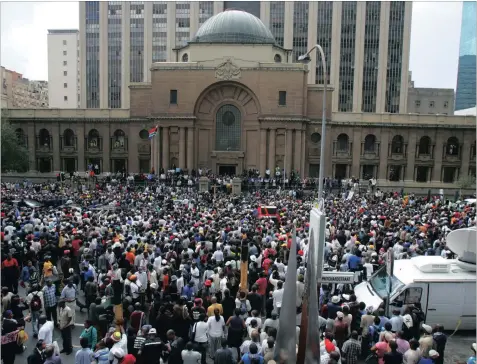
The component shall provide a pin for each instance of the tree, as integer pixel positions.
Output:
(466, 182)
(14, 151)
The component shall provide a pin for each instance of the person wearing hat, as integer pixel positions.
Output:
(333, 307)
(430, 358)
(120, 342)
(68, 294)
(120, 357)
(440, 341)
(151, 350)
(426, 341)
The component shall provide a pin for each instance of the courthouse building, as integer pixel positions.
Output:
(234, 100)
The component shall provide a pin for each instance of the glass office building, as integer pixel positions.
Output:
(466, 93)
(366, 45)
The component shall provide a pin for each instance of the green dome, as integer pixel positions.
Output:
(234, 26)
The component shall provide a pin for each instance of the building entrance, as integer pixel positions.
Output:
(227, 170)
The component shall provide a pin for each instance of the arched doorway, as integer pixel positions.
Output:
(227, 147)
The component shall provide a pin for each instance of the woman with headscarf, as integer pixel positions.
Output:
(216, 329)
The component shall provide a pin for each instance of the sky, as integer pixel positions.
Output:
(435, 33)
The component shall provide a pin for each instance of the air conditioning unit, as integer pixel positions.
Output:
(432, 264)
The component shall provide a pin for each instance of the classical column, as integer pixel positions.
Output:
(190, 149)
(165, 148)
(297, 157)
(289, 151)
(271, 151)
(182, 148)
(153, 155)
(411, 157)
(80, 147)
(56, 148)
(263, 151)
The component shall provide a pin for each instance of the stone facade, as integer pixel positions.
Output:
(228, 114)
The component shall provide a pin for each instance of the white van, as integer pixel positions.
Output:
(445, 290)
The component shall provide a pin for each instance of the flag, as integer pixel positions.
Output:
(285, 347)
(17, 213)
(153, 132)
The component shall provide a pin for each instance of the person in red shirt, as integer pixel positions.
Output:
(266, 264)
(262, 284)
(11, 272)
(130, 257)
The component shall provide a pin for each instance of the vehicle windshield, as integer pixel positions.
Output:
(380, 283)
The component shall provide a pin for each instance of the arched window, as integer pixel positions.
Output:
(44, 137)
(228, 128)
(343, 144)
(425, 145)
(93, 138)
(369, 143)
(69, 138)
(452, 146)
(20, 136)
(185, 57)
(118, 139)
(397, 145)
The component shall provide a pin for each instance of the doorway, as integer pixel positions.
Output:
(119, 165)
(69, 165)
(340, 171)
(227, 170)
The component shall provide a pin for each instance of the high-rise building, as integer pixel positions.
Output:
(21, 93)
(63, 68)
(366, 45)
(466, 91)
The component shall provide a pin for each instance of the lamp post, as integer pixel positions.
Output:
(308, 350)
(305, 59)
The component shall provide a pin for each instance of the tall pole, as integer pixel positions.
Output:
(285, 159)
(310, 355)
(323, 124)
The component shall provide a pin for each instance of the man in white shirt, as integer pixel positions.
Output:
(278, 297)
(200, 332)
(46, 330)
(218, 256)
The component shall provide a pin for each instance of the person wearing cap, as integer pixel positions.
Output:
(426, 341)
(120, 356)
(68, 294)
(340, 329)
(430, 358)
(151, 350)
(120, 341)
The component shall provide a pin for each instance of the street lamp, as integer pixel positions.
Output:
(306, 59)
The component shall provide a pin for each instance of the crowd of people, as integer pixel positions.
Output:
(157, 269)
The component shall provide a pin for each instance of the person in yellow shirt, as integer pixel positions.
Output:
(213, 306)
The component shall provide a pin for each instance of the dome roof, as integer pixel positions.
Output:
(234, 26)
